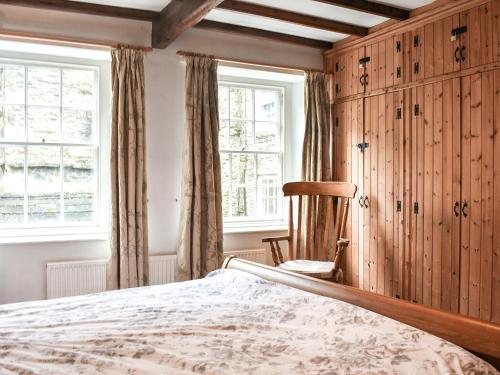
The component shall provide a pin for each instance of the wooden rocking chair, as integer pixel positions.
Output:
(334, 196)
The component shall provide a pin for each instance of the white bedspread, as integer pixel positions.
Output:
(229, 323)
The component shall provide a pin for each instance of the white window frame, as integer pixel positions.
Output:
(236, 224)
(98, 229)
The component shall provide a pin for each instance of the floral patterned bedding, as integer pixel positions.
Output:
(230, 322)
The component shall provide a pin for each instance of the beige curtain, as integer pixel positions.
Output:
(316, 159)
(316, 152)
(200, 250)
(128, 266)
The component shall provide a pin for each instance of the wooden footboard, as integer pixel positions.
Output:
(478, 336)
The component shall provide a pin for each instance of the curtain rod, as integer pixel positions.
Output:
(245, 63)
(68, 42)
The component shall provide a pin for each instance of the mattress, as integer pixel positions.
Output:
(230, 322)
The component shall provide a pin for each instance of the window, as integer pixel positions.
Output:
(250, 142)
(49, 145)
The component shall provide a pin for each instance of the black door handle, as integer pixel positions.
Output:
(462, 53)
(464, 207)
(366, 201)
(456, 209)
(361, 201)
(457, 52)
(366, 79)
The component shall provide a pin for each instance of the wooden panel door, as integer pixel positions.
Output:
(354, 258)
(348, 166)
(434, 165)
(348, 73)
(383, 256)
(479, 162)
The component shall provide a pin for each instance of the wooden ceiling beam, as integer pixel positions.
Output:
(292, 17)
(87, 8)
(259, 33)
(177, 17)
(371, 7)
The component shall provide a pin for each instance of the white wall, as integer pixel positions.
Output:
(22, 266)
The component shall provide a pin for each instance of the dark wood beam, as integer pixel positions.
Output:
(87, 8)
(250, 31)
(177, 17)
(371, 7)
(292, 17)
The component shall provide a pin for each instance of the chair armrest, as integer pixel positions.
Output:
(276, 239)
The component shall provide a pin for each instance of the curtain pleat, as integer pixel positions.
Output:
(128, 264)
(200, 249)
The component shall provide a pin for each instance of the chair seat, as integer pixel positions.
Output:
(314, 268)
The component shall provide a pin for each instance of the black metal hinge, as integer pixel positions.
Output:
(398, 206)
(337, 88)
(398, 114)
(398, 46)
(398, 72)
(336, 121)
(415, 208)
(337, 67)
(416, 68)
(416, 110)
(416, 41)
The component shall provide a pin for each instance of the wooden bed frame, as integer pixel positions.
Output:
(478, 336)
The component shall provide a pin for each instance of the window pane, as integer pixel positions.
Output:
(268, 200)
(78, 89)
(78, 126)
(11, 184)
(241, 102)
(224, 134)
(268, 168)
(224, 102)
(241, 135)
(266, 105)
(243, 170)
(244, 202)
(79, 183)
(226, 183)
(43, 124)
(12, 124)
(44, 184)
(12, 84)
(267, 136)
(44, 86)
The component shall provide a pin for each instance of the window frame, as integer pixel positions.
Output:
(98, 228)
(233, 223)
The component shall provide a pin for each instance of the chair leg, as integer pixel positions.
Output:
(338, 276)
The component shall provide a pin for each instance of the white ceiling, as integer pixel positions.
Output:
(310, 7)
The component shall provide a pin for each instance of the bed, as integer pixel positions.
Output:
(242, 319)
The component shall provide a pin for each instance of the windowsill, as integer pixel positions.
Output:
(52, 235)
(252, 228)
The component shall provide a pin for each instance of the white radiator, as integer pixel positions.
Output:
(67, 279)
(162, 269)
(254, 255)
(75, 278)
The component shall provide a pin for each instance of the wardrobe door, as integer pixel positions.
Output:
(476, 43)
(495, 295)
(434, 186)
(348, 166)
(479, 93)
(354, 117)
